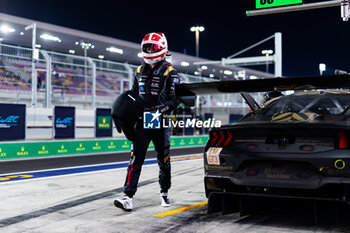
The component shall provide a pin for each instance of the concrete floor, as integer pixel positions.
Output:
(84, 203)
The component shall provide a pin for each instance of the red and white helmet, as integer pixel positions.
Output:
(154, 47)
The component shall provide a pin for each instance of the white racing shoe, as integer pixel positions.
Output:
(125, 203)
(164, 199)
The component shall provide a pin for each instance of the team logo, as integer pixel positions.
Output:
(8, 121)
(64, 122)
(152, 120)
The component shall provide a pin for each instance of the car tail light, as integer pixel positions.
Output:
(343, 144)
(213, 140)
(221, 139)
(228, 139)
(252, 172)
(307, 148)
(252, 147)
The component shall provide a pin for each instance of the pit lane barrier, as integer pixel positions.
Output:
(20, 150)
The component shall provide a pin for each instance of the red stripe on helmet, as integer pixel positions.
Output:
(162, 55)
(156, 37)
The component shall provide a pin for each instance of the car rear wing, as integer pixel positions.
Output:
(264, 85)
(189, 100)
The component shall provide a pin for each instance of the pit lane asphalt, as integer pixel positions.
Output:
(84, 203)
(32, 164)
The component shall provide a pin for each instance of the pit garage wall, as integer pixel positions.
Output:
(20, 150)
(39, 124)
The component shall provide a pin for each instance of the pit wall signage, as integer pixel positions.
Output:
(12, 121)
(64, 122)
(103, 122)
(58, 148)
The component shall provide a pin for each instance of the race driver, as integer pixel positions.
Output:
(155, 83)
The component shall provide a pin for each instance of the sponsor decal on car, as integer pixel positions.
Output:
(213, 157)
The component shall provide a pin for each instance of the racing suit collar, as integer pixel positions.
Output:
(156, 70)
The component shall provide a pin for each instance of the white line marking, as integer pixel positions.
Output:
(89, 172)
(93, 165)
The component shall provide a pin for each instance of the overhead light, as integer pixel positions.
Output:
(253, 77)
(211, 75)
(241, 74)
(86, 45)
(139, 55)
(196, 73)
(21, 33)
(184, 63)
(204, 67)
(228, 72)
(322, 67)
(267, 52)
(50, 37)
(197, 28)
(101, 56)
(76, 43)
(114, 50)
(38, 46)
(1, 39)
(6, 29)
(71, 51)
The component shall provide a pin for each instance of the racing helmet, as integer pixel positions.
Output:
(154, 47)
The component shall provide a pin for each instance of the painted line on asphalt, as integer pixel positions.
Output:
(171, 212)
(84, 169)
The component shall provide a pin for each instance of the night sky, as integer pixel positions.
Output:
(309, 37)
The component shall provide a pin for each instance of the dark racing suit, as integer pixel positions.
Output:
(156, 86)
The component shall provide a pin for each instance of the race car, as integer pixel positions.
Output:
(295, 146)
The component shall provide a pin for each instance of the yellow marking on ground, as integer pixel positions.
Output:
(15, 176)
(180, 209)
(186, 158)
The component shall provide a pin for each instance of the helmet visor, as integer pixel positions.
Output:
(151, 48)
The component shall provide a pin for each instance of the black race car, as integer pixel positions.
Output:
(295, 146)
